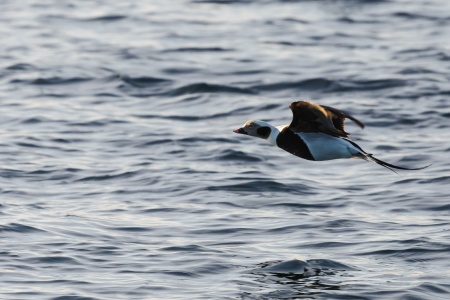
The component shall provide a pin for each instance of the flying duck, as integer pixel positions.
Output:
(315, 133)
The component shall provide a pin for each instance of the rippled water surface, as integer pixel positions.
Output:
(121, 177)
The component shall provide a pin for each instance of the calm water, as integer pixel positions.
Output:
(121, 177)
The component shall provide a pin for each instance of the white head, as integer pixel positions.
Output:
(259, 129)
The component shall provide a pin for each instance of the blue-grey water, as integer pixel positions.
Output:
(121, 177)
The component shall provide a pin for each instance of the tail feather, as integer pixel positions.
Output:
(389, 166)
(360, 153)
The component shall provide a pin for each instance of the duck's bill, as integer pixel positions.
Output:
(240, 130)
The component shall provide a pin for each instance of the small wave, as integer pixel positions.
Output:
(172, 117)
(293, 228)
(368, 85)
(431, 289)
(54, 260)
(329, 264)
(295, 279)
(34, 120)
(181, 274)
(291, 266)
(198, 49)
(18, 228)
(21, 67)
(189, 248)
(155, 143)
(106, 18)
(67, 141)
(209, 88)
(411, 71)
(261, 186)
(295, 20)
(408, 15)
(444, 208)
(194, 140)
(40, 172)
(445, 115)
(52, 80)
(413, 253)
(234, 155)
(439, 180)
(225, 231)
(28, 145)
(97, 123)
(179, 70)
(386, 148)
(309, 267)
(94, 123)
(212, 268)
(109, 177)
(143, 82)
(310, 84)
(354, 21)
(132, 229)
(234, 112)
(73, 297)
(306, 205)
(159, 210)
(327, 85)
(11, 173)
(322, 245)
(226, 203)
(223, 1)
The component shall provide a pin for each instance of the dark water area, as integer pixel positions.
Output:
(121, 177)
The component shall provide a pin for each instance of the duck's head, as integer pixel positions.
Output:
(256, 128)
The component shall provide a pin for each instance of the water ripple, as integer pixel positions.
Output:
(209, 88)
(261, 186)
(120, 167)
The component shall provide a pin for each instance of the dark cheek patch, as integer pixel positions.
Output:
(263, 132)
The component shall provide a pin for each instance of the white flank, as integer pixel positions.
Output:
(326, 147)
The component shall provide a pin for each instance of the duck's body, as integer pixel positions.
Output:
(309, 145)
(315, 133)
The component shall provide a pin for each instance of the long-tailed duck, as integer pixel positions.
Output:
(315, 133)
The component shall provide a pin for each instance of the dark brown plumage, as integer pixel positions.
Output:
(312, 117)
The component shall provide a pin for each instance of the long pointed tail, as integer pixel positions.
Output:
(360, 153)
(389, 166)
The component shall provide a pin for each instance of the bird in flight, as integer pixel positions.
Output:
(315, 133)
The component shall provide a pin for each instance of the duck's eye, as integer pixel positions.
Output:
(251, 126)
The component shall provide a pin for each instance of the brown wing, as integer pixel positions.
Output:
(312, 117)
(339, 116)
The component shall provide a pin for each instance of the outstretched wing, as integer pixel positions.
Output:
(312, 117)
